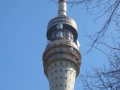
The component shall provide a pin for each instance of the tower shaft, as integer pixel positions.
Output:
(61, 58)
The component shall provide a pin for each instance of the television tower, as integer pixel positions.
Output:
(61, 58)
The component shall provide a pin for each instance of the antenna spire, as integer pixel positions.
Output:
(62, 7)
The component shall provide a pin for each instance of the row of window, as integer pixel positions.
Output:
(61, 86)
(61, 71)
(58, 55)
(64, 49)
(56, 78)
(60, 63)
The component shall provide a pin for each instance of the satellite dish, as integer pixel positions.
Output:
(59, 26)
(78, 44)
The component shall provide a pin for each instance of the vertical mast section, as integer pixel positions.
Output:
(62, 7)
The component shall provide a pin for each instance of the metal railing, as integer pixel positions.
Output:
(63, 49)
(63, 56)
(62, 43)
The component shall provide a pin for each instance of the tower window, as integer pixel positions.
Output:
(65, 85)
(60, 84)
(55, 64)
(61, 54)
(56, 85)
(52, 80)
(55, 71)
(60, 70)
(66, 78)
(51, 73)
(55, 55)
(56, 78)
(61, 77)
(60, 63)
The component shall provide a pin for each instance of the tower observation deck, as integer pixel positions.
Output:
(61, 58)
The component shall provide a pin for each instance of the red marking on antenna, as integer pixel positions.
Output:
(62, 10)
(62, 1)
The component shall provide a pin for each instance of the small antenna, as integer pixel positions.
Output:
(62, 8)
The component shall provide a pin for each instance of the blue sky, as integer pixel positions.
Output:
(23, 25)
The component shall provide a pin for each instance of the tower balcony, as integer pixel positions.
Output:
(61, 42)
(61, 50)
(65, 46)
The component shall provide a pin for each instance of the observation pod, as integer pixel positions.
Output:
(61, 58)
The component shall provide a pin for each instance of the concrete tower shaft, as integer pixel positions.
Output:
(61, 58)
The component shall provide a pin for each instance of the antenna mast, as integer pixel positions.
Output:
(62, 7)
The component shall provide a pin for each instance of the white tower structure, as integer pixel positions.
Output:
(61, 58)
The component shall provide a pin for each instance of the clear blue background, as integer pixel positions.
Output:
(23, 25)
